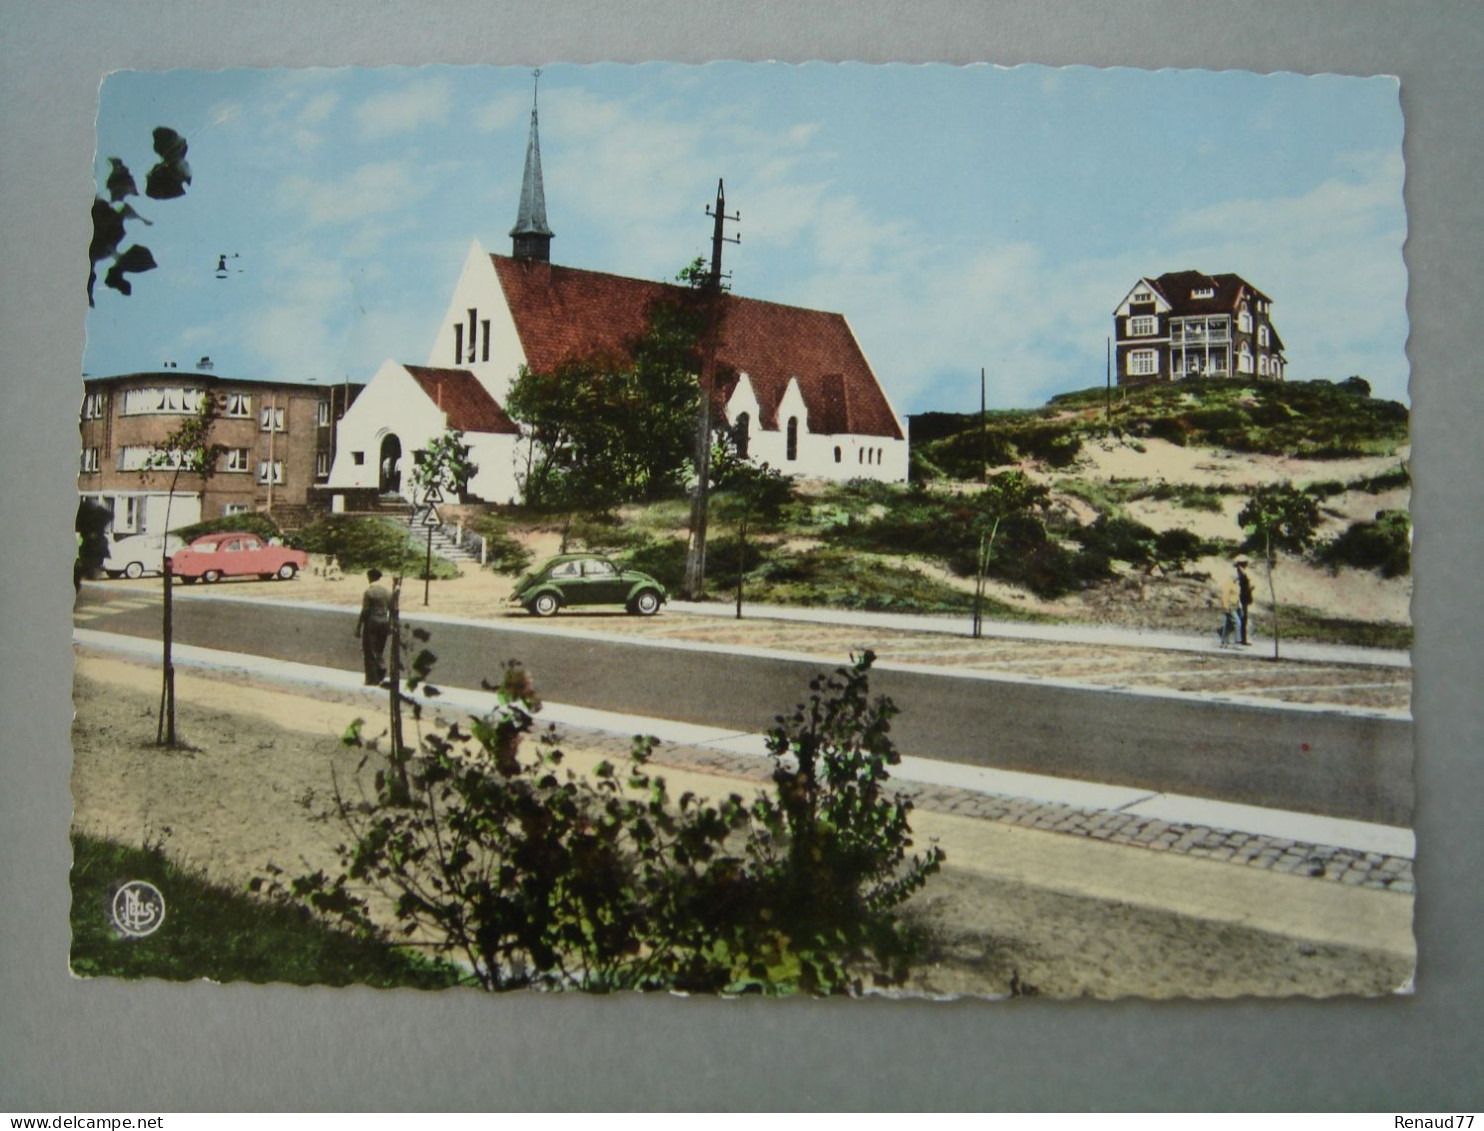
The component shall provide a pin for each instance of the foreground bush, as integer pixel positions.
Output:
(531, 874)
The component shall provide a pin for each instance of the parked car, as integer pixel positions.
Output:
(212, 557)
(134, 555)
(587, 579)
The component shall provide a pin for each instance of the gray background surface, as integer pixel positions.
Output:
(108, 1046)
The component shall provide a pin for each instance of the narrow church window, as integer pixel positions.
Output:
(473, 314)
(484, 327)
(837, 453)
(458, 343)
(793, 438)
(742, 434)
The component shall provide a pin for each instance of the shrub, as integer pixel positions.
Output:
(503, 553)
(367, 543)
(532, 874)
(1397, 476)
(1121, 538)
(663, 560)
(253, 523)
(1384, 545)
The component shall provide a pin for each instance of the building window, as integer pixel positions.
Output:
(837, 453)
(1244, 359)
(89, 460)
(1262, 365)
(322, 414)
(139, 457)
(237, 406)
(1142, 324)
(133, 512)
(263, 472)
(1263, 336)
(1203, 292)
(95, 406)
(238, 459)
(358, 458)
(140, 402)
(321, 465)
(229, 509)
(1143, 363)
(1244, 321)
(271, 420)
(792, 449)
(742, 434)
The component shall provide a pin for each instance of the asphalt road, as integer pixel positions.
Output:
(1331, 764)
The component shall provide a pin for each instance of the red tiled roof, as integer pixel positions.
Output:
(465, 402)
(564, 313)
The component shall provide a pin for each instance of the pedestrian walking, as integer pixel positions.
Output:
(1244, 598)
(1230, 597)
(373, 626)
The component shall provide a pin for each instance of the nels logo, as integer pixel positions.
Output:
(138, 909)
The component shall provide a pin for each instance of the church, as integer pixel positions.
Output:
(792, 384)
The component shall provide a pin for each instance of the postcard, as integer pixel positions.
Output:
(747, 529)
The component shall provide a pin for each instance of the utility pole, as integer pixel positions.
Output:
(1108, 376)
(695, 557)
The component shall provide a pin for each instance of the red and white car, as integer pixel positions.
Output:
(212, 557)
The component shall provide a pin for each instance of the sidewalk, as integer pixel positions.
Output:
(1094, 634)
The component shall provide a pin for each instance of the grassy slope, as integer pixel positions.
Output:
(210, 932)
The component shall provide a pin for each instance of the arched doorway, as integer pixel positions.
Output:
(389, 480)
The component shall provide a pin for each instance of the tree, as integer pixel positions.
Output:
(757, 488)
(530, 873)
(188, 450)
(167, 180)
(1007, 495)
(1278, 517)
(610, 428)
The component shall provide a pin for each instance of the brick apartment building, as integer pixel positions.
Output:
(1185, 324)
(278, 436)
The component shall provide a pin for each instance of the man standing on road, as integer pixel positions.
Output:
(1244, 598)
(373, 625)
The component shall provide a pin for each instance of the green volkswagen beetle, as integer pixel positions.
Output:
(587, 579)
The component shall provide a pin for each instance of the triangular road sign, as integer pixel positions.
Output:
(430, 517)
(434, 495)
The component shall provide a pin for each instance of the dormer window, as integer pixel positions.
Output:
(1142, 296)
(1203, 292)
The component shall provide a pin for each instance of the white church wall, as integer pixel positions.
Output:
(495, 456)
(494, 354)
(392, 402)
(814, 456)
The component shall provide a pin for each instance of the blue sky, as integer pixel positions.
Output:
(958, 217)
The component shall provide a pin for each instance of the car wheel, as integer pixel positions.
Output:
(134, 570)
(113, 573)
(545, 605)
(211, 576)
(647, 603)
(287, 570)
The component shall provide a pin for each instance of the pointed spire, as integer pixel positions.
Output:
(531, 237)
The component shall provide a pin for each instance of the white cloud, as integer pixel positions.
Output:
(501, 112)
(368, 190)
(420, 102)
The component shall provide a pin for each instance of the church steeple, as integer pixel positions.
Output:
(531, 237)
